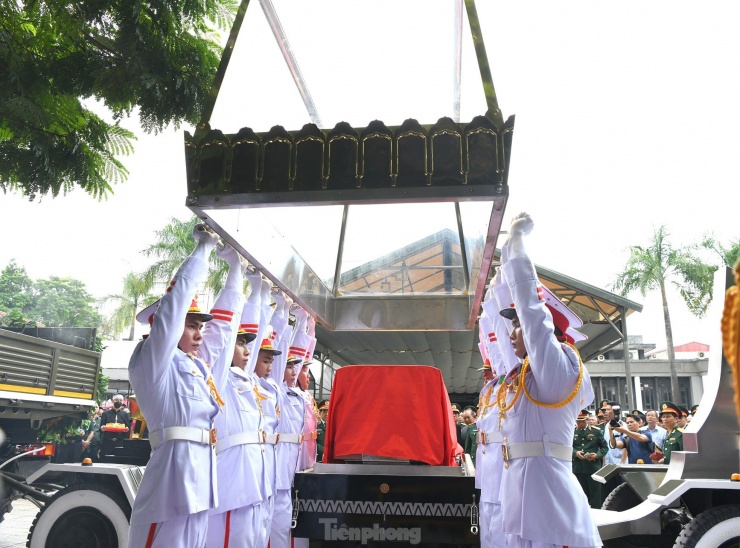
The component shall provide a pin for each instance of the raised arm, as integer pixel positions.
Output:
(219, 335)
(155, 353)
(554, 368)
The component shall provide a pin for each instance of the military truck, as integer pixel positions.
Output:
(45, 373)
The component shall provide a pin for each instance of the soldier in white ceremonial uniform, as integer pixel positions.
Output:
(490, 466)
(302, 347)
(543, 504)
(236, 522)
(170, 374)
(261, 368)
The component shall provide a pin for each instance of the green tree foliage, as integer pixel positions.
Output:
(134, 296)
(654, 266)
(728, 256)
(173, 245)
(16, 289)
(155, 57)
(64, 302)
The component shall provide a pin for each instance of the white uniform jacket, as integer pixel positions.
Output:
(291, 424)
(241, 466)
(542, 500)
(172, 390)
(488, 459)
(272, 410)
(307, 456)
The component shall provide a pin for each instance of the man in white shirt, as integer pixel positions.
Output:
(657, 432)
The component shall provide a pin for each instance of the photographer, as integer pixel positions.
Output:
(639, 444)
(615, 455)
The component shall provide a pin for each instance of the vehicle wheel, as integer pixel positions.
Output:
(622, 498)
(83, 516)
(714, 528)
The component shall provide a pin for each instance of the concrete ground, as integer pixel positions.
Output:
(14, 528)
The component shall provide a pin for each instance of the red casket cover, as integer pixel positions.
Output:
(398, 411)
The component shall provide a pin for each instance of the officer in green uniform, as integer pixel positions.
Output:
(694, 409)
(589, 448)
(669, 413)
(471, 435)
(321, 429)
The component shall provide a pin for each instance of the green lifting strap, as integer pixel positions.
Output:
(494, 113)
(205, 118)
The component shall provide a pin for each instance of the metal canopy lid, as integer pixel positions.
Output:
(359, 191)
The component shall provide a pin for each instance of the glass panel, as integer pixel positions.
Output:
(402, 249)
(379, 59)
(475, 220)
(311, 233)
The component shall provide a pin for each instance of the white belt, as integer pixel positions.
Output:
(489, 437)
(298, 438)
(186, 433)
(544, 448)
(243, 438)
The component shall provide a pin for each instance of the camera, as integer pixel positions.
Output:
(614, 423)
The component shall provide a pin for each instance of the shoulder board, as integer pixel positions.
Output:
(680, 429)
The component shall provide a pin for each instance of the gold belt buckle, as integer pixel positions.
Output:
(264, 436)
(213, 436)
(483, 438)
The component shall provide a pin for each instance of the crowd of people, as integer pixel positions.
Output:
(229, 418)
(632, 438)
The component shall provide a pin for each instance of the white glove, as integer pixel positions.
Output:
(312, 327)
(255, 286)
(266, 310)
(227, 253)
(205, 239)
(521, 225)
(280, 316)
(301, 316)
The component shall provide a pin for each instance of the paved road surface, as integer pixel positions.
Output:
(14, 529)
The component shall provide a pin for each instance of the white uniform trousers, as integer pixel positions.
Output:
(238, 528)
(282, 515)
(514, 541)
(265, 521)
(183, 532)
(491, 525)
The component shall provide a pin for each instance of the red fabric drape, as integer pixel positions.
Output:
(399, 411)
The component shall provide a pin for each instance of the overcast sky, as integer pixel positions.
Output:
(627, 118)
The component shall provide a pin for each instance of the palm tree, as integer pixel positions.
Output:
(652, 267)
(134, 296)
(174, 244)
(727, 255)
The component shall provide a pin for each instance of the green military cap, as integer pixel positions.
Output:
(455, 408)
(637, 412)
(669, 407)
(583, 415)
(602, 403)
(684, 410)
(599, 412)
(324, 405)
(694, 409)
